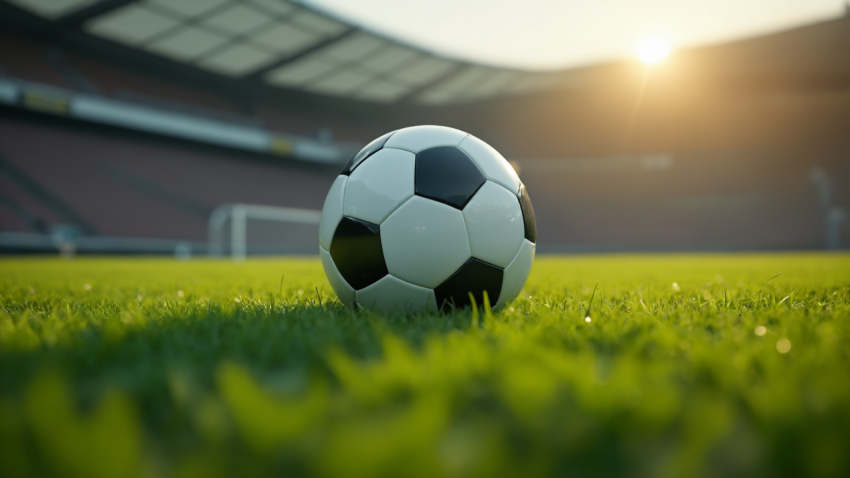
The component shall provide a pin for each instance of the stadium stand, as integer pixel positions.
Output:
(137, 188)
(135, 119)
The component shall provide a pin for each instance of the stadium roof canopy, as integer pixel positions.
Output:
(287, 46)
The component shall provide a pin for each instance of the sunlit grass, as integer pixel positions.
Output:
(689, 365)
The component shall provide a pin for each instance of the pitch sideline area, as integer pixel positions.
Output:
(682, 365)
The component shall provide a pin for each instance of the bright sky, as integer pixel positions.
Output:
(549, 34)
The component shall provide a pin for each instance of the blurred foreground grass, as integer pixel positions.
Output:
(689, 365)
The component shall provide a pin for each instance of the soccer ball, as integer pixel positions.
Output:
(422, 217)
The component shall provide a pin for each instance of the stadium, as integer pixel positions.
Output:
(163, 170)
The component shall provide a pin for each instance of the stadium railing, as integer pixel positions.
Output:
(146, 118)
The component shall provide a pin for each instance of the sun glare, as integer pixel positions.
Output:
(652, 50)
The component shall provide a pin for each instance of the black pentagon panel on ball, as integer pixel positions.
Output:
(474, 276)
(356, 250)
(527, 214)
(364, 153)
(446, 174)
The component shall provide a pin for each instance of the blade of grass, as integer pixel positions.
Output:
(758, 299)
(474, 311)
(590, 304)
(787, 296)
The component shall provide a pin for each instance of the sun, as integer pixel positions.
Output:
(652, 50)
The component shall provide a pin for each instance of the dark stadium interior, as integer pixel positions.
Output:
(728, 147)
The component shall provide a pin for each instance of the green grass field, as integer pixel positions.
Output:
(689, 365)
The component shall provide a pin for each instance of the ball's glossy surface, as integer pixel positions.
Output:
(423, 216)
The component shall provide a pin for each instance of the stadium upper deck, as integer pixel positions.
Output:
(280, 44)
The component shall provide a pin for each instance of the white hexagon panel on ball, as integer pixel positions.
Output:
(494, 224)
(395, 295)
(424, 242)
(379, 185)
(516, 273)
(419, 138)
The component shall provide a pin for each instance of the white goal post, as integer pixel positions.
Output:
(239, 214)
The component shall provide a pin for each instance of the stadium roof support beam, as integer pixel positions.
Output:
(258, 74)
(242, 77)
(77, 18)
(413, 93)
